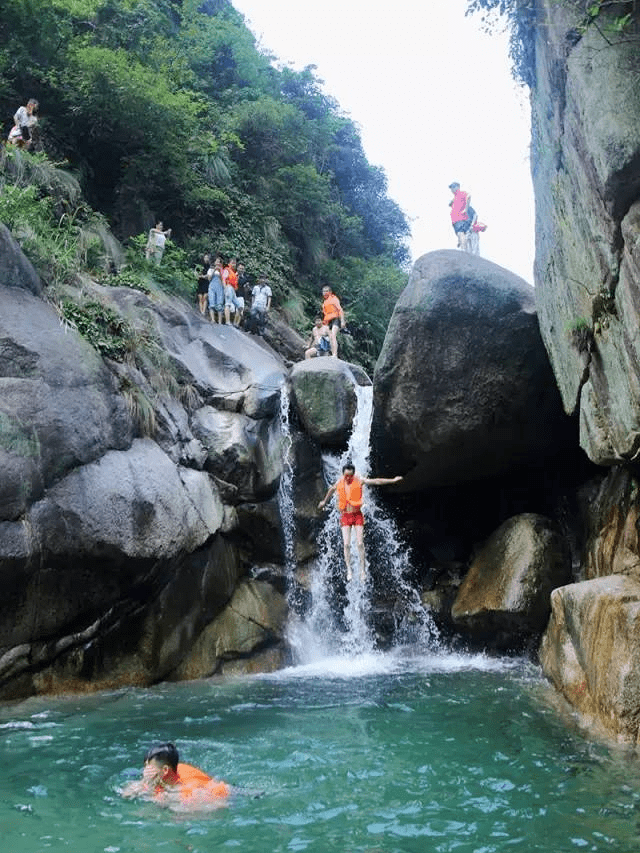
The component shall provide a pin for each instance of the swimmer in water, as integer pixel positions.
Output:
(167, 780)
(349, 488)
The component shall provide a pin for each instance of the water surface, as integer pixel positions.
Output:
(378, 753)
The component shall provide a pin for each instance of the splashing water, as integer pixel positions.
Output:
(285, 489)
(342, 622)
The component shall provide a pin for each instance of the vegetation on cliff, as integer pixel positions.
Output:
(167, 109)
(610, 17)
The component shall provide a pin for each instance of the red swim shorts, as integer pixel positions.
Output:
(352, 519)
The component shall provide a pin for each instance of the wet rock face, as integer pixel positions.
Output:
(504, 598)
(591, 652)
(117, 551)
(463, 389)
(586, 174)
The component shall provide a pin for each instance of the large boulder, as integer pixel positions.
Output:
(591, 652)
(504, 598)
(244, 454)
(116, 551)
(325, 398)
(463, 389)
(59, 406)
(227, 368)
(586, 173)
(254, 620)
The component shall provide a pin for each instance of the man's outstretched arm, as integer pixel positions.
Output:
(380, 481)
(324, 500)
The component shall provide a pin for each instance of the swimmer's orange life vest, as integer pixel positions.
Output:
(191, 780)
(349, 493)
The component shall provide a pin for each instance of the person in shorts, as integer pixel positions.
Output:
(319, 343)
(349, 489)
(333, 317)
(460, 219)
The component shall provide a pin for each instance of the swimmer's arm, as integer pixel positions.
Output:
(324, 500)
(134, 789)
(380, 481)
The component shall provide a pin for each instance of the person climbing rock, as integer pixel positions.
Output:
(349, 489)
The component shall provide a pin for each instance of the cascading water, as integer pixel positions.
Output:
(285, 489)
(340, 619)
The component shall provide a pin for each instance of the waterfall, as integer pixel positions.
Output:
(285, 489)
(340, 619)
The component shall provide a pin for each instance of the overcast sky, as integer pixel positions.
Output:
(434, 100)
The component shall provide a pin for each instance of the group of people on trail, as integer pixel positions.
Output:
(464, 220)
(224, 292)
(25, 123)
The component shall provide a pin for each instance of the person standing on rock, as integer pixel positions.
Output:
(349, 489)
(203, 283)
(156, 242)
(333, 317)
(460, 215)
(260, 305)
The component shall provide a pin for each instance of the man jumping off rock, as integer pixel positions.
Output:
(349, 489)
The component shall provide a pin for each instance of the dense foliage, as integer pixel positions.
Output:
(166, 109)
(610, 17)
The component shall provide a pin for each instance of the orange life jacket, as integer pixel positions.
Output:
(331, 308)
(349, 493)
(193, 781)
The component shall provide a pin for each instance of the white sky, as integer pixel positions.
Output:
(435, 103)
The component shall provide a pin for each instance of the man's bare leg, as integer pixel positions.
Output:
(346, 541)
(333, 340)
(360, 545)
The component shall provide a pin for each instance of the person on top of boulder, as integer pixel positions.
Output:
(319, 343)
(333, 317)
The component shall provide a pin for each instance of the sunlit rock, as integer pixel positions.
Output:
(586, 174)
(591, 652)
(504, 598)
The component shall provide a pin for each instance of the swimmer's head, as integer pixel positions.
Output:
(163, 753)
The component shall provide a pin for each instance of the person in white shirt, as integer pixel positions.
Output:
(156, 242)
(260, 304)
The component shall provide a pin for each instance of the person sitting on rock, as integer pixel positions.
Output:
(349, 489)
(25, 121)
(333, 317)
(319, 343)
(165, 779)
